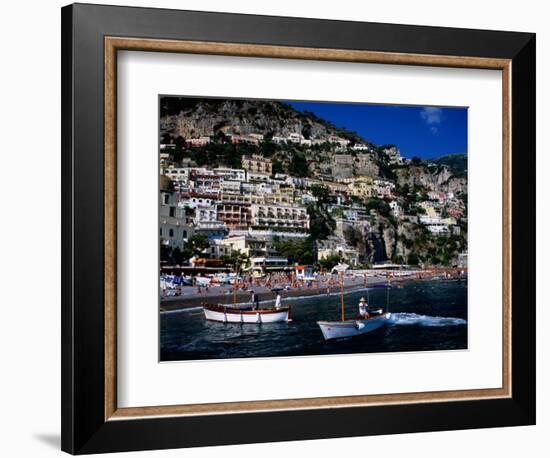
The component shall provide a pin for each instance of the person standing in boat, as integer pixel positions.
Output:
(278, 301)
(255, 301)
(363, 313)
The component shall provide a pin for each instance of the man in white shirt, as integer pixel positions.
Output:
(278, 301)
(363, 309)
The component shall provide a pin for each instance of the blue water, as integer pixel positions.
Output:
(425, 316)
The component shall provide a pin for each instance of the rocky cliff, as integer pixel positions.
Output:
(193, 118)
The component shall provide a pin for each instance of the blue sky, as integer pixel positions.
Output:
(417, 131)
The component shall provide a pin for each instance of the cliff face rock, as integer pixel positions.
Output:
(455, 185)
(380, 243)
(419, 175)
(442, 179)
(342, 166)
(208, 117)
(388, 235)
(365, 164)
(375, 248)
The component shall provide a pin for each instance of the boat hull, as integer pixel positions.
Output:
(230, 315)
(345, 329)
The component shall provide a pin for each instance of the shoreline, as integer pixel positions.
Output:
(172, 304)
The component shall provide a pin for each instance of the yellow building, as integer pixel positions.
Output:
(362, 187)
(257, 163)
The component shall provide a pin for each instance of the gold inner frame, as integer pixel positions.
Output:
(114, 44)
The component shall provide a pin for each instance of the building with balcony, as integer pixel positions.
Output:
(230, 186)
(230, 174)
(248, 139)
(245, 244)
(206, 182)
(213, 230)
(263, 264)
(235, 215)
(287, 216)
(197, 142)
(257, 163)
(206, 214)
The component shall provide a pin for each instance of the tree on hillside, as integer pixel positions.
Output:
(196, 244)
(330, 261)
(300, 251)
(321, 223)
(298, 166)
(321, 193)
(379, 205)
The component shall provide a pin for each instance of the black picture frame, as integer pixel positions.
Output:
(84, 427)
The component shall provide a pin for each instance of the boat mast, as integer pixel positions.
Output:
(342, 294)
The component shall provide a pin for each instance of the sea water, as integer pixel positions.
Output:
(425, 316)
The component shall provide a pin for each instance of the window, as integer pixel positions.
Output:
(160, 232)
(172, 211)
(171, 232)
(166, 198)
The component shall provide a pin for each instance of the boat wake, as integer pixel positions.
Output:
(424, 320)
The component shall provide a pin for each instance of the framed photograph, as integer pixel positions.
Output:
(281, 228)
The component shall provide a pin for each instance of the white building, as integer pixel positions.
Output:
(348, 254)
(438, 229)
(343, 142)
(206, 215)
(196, 142)
(194, 201)
(360, 147)
(184, 173)
(257, 176)
(230, 186)
(394, 155)
(230, 174)
(295, 137)
(279, 216)
(383, 188)
(173, 230)
(278, 140)
(297, 182)
(396, 209)
(265, 264)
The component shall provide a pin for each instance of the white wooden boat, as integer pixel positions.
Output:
(351, 328)
(228, 314)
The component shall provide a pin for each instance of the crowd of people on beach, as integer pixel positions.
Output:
(324, 283)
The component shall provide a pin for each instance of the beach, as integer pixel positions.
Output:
(326, 285)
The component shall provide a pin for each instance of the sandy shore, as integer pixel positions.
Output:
(223, 295)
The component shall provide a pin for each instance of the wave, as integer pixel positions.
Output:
(424, 320)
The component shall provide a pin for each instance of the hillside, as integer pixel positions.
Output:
(193, 117)
(190, 118)
(457, 163)
(345, 173)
